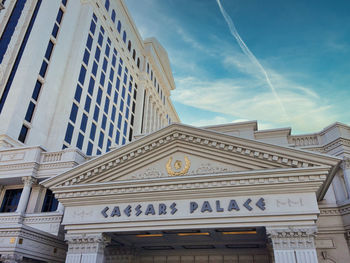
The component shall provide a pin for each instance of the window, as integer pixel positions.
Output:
(59, 16)
(77, 95)
(99, 96)
(93, 131)
(108, 48)
(80, 141)
(36, 90)
(89, 149)
(119, 27)
(113, 113)
(117, 137)
(86, 57)
(82, 75)
(89, 42)
(30, 111)
(102, 79)
(129, 45)
(87, 103)
(104, 65)
(124, 36)
(106, 105)
(111, 128)
(50, 202)
(55, 30)
(109, 88)
(138, 62)
(104, 122)
(113, 16)
(92, 27)
(97, 54)
(107, 5)
(100, 141)
(94, 69)
(96, 113)
(134, 54)
(49, 50)
(73, 113)
(23, 133)
(117, 85)
(43, 69)
(83, 122)
(11, 200)
(120, 121)
(69, 133)
(91, 86)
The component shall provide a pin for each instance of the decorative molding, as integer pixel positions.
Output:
(11, 258)
(345, 163)
(28, 181)
(87, 243)
(292, 237)
(231, 148)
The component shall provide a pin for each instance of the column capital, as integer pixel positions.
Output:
(292, 237)
(87, 243)
(28, 180)
(345, 164)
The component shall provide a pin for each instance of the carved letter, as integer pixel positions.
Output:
(246, 204)
(261, 204)
(150, 210)
(218, 208)
(103, 212)
(138, 210)
(173, 208)
(233, 205)
(193, 207)
(206, 207)
(162, 209)
(115, 212)
(127, 210)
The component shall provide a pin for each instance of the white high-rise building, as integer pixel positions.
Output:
(78, 73)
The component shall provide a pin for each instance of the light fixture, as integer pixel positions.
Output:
(193, 234)
(150, 235)
(239, 233)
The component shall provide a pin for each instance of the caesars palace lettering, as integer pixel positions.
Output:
(193, 207)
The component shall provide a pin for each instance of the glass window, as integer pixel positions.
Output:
(132, 120)
(133, 107)
(59, 16)
(129, 45)
(55, 30)
(109, 88)
(73, 113)
(11, 200)
(124, 36)
(36, 90)
(119, 27)
(111, 75)
(92, 27)
(121, 108)
(84, 119)
(94, 69)
(111, 128)
(134, 54)
(86, 57)
(109, 41)
(100, 39)
(114, 60)
(49, 50)
(124, 141)
(23, 133)
(115, 99)
(106, 105)
(80, 141)
(125, 77)
(50, 202)
(113, 16)
(99, 96)
(91, 86)
(77, 95)
(82, 75)
(89, 148)
(69, 133)
(125, 128)
(97, 54)
(104, 122)
(120, 70)
(96, 113)
(107, 50)
(102, 79)
(130, 135)
(43, 69)
(64, 2)
(98, 152)
(120, 121)
(104, 65)
(138, 62)
(87, 103)
(129, 99)
(89, 42)
(93, 131)
(113, 113)
(108, 145)
(100, 140)
(102, 30)
(123, 92)
(117, 85)
(117, 137)
(127, 113)
(107, 4)
(94, 17)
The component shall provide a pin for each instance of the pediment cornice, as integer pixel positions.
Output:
(247, 150)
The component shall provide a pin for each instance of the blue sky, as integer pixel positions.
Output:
(303, 46)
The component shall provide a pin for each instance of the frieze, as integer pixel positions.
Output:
(224, 146)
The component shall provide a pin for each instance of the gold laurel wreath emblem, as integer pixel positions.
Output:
(182, 172)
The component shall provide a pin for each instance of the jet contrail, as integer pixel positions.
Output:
(249, 54)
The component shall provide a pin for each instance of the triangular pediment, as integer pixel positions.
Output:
(180, 150)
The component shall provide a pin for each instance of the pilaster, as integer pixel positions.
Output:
(86, 248)
(293, 244)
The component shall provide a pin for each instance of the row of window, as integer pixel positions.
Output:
(93, 114)
(119, 28)
(19, 54)
(42, 73)
(156, 84)
(12, 197)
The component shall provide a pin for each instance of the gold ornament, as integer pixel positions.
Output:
(177, 166)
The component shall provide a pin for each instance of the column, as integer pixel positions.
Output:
(345, 165)
(60, 208)
(23, 201)
(293, 244)
(87, 248)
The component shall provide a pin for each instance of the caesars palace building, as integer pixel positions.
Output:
(95, 166)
